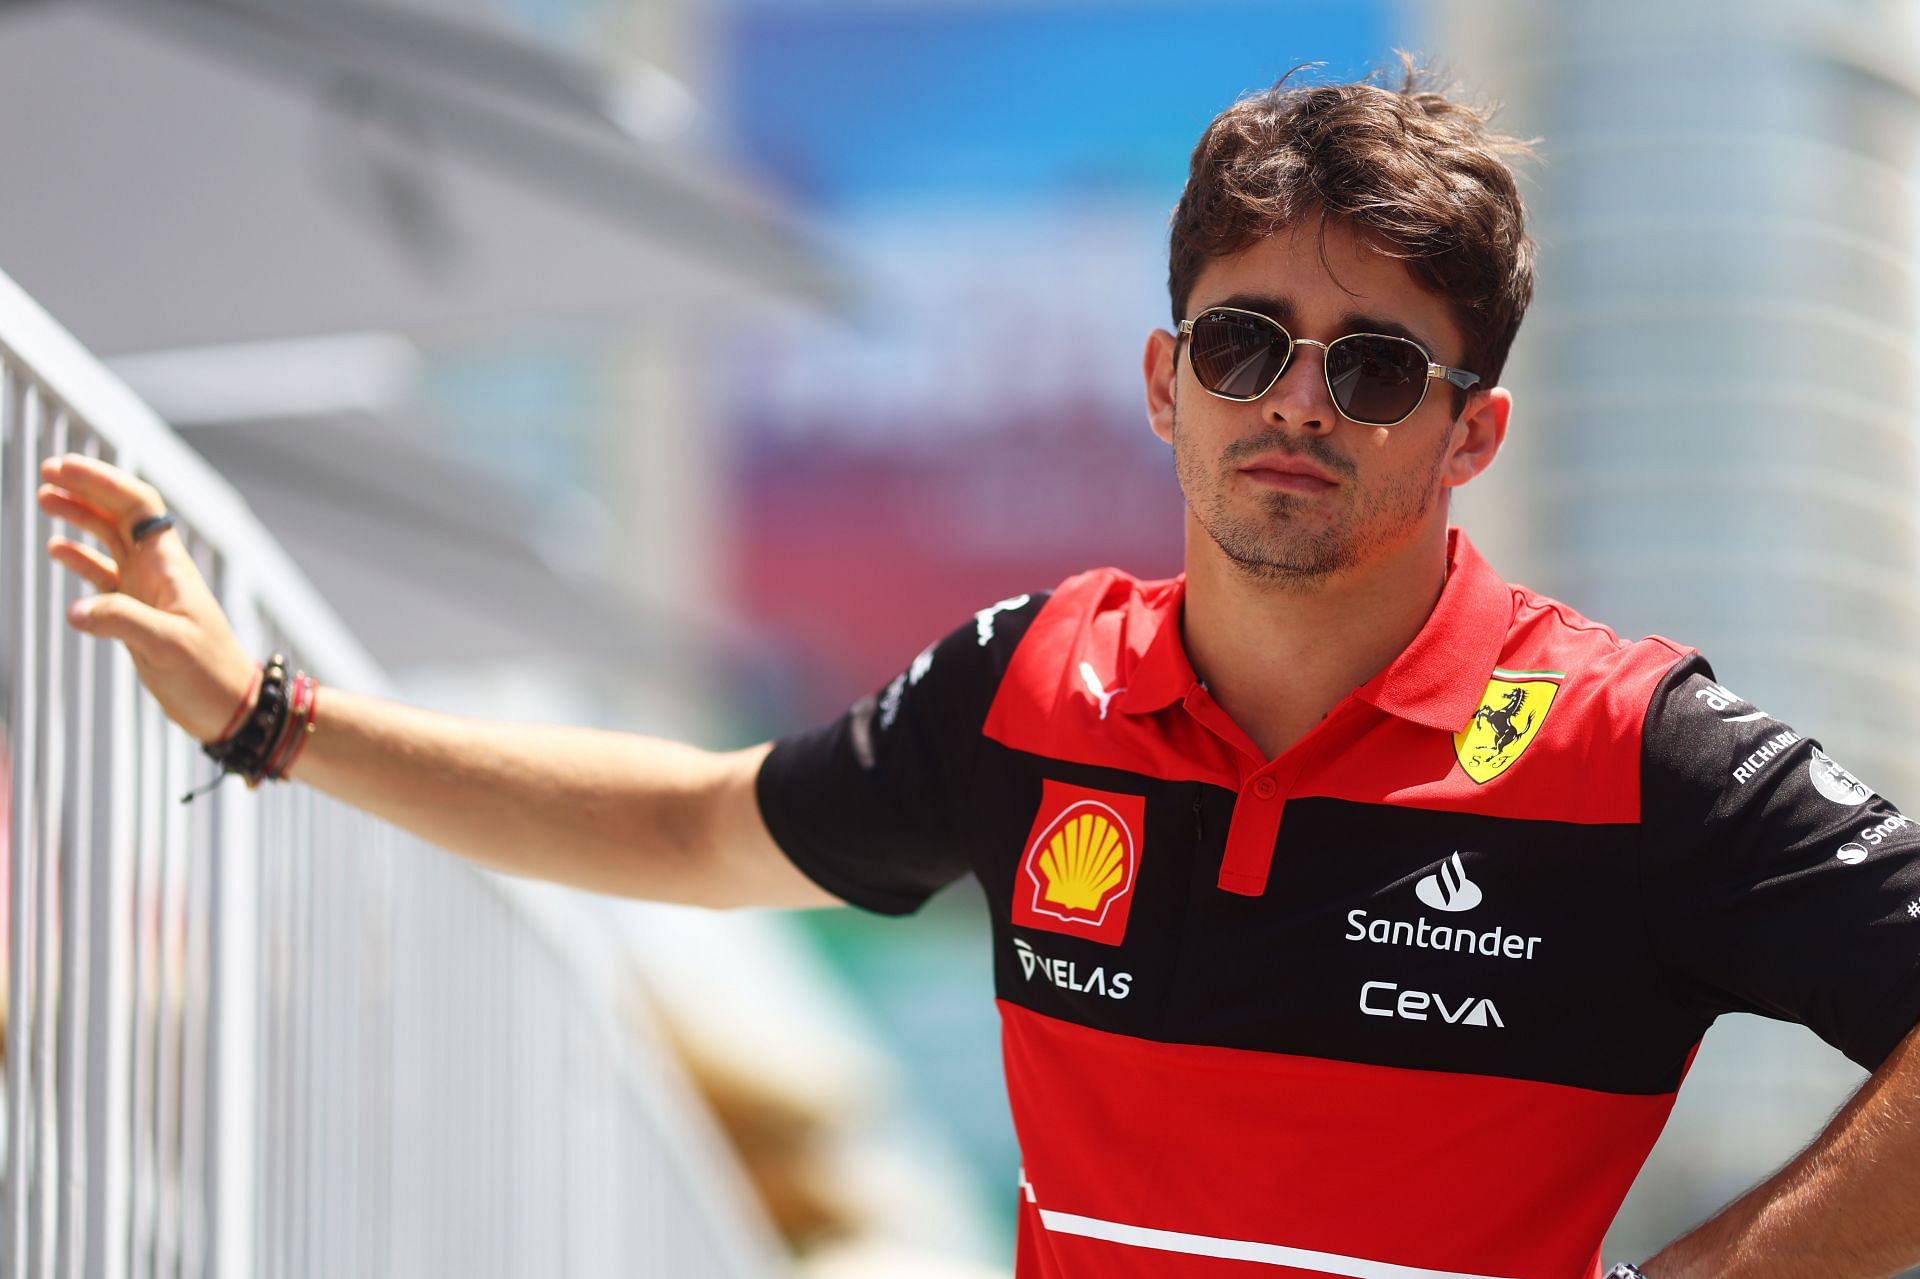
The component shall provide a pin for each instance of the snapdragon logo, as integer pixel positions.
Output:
(1854, 852)
(1878, 833)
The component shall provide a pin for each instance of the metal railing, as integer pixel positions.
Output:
(264, 1034)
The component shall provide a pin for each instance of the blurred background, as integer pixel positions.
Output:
(684, 366)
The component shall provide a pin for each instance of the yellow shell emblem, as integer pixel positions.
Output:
(1512, 710)
(1083, 862)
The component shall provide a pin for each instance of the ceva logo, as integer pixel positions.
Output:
(1448, 887)
(1418, 1005)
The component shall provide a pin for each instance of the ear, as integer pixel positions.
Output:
(1478, 435)
(1161, 368)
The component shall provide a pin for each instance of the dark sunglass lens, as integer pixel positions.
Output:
(1237, 355)
(1376, 379)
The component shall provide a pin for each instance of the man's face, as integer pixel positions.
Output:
(1287, 488)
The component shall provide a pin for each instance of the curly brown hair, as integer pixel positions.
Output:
(1415, 172)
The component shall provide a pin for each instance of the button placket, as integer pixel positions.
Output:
(1255, 828)
(1258, 808)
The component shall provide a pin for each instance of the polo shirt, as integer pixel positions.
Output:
(1411, 1000)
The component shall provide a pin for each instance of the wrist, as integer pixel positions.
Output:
(241, 698)
(268, 728)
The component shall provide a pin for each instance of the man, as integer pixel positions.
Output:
(1355, 913)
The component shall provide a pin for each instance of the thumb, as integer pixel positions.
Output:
(112, 615)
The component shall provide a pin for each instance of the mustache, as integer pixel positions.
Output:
(1274, 441)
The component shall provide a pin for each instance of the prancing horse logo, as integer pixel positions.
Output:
(1505, 731)
(1511, 712)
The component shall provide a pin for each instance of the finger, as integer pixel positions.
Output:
(92, 567)
(64, 506)
(106, 488)
(120, 617)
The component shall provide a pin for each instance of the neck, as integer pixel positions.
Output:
(1278, 656)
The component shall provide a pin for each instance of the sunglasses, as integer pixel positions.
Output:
(1374, 379)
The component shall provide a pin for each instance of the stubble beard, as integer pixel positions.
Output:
(1275, 547)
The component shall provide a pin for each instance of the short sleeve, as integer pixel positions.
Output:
(875, 806)
(1776, 881)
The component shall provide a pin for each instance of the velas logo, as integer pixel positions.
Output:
(1068, 975)
(1511, 712)
(1081, 862)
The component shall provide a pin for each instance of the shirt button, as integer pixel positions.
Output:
(1265, 787)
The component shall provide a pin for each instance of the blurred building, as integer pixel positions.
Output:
(1714, 428)
(1714, 432)
(342, 245)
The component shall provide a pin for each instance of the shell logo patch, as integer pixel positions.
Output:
(1082, 859)
(1512, 710)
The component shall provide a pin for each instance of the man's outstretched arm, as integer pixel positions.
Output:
(1847, 1207)
(604, 811)
(610, 812)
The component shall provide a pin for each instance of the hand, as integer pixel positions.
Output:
(152, 597)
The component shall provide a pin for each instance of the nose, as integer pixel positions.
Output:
(1299, 398)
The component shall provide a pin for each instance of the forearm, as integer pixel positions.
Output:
(610, 812)
(1848, 1207)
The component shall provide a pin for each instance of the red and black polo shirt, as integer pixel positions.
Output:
(1412, 1000)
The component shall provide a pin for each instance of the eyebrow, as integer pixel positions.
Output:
(1281, 312)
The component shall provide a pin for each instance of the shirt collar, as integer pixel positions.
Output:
(1437, 680)
(1162, 675)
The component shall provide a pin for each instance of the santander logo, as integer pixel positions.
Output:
(1448, 887)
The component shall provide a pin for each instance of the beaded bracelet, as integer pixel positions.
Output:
(268, 729)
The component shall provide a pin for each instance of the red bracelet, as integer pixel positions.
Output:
(306, 730)
(298, 699)
(246, 704)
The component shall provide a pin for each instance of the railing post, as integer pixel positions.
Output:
(110, 1000)
(77, 945)
(20, 409)
(51, 862)
(233, 997)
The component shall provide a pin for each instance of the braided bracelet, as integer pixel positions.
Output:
(267, 731)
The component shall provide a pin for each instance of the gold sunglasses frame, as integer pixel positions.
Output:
(1454, 377)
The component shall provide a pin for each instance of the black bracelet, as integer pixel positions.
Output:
(252, 745)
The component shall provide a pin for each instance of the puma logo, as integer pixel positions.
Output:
(1095, 687)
